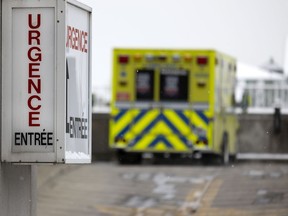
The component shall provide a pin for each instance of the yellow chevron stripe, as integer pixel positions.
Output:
(160, 147)
(161, 128)
(197, 121)
(177, 121)
(147, 139)
(122, 123)
(145, 121)
(129, 135)
(193, 137)
(177, 143)
(115, 111)
(144, 142)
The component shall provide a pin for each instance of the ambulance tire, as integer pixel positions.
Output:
(208, 159)
(225, 157)
(233, 158)
(124, 157)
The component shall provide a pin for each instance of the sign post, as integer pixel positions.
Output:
(46, 109)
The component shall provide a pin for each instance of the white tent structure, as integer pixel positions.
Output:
(250, 72)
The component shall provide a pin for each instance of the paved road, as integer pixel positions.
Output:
(104, 189)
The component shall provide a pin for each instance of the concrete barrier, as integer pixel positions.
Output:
(255, 135)
(100, 137)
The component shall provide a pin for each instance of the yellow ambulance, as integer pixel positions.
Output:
(173, 102)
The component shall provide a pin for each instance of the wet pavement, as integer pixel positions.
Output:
(103, 189)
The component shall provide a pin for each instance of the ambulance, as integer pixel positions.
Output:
(176, 103)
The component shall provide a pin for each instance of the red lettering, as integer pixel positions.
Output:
(34, 25)
(30, 105)
(33, 67)
(34, 116)
(34, 54)
(69, 37)
(76, 36)
(85, 42)
(34, 35)
(35, 86)
(77, 39)
(72, 32)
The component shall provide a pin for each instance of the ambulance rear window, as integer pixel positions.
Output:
(173, 85)
(144, 84)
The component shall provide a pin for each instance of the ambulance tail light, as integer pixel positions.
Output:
(120, 139)
(202, 60)
(123, 59)
(202, 141)
(162, 58)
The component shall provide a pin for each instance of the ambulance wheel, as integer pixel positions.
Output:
(225, 157)
(124, 157)
(208, 159)
(233, 158)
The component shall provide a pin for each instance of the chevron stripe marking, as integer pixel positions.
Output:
(120, 114)
(202, 116)
(127, 127)
(182, 125)
(138, 127)
(159, 139)
(153, 123)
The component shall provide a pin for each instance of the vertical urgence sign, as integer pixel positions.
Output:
(33, 69)
(78, 120)
(46, 114)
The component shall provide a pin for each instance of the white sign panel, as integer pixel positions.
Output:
(78, 84)
(33, 53)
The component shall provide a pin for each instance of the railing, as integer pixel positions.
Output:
(265, 98)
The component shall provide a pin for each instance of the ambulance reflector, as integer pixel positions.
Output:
(202, 60)
(176, 58)
(187, 58)
(123, 96)
(137, 58)
(123, 59)
(149, 57)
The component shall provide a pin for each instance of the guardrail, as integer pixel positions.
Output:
(268, 96)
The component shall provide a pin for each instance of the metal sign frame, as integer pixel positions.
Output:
(58, 154)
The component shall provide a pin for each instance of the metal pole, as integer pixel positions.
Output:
(17, 183)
